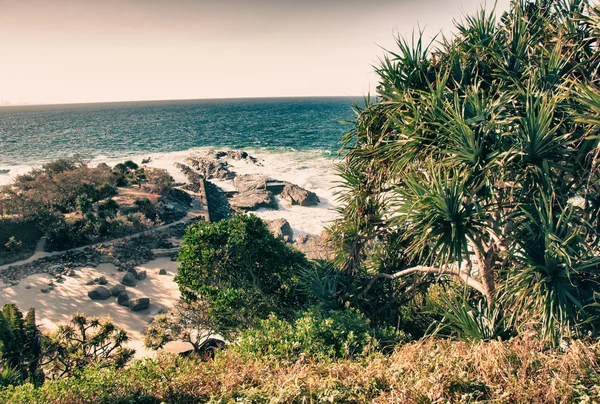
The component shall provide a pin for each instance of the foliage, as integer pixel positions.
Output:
(20, 345)
(316, 333)
(85, 342)
(433, 370)
(478, 160)
(240, 270)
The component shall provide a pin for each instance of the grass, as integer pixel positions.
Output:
(429, 371)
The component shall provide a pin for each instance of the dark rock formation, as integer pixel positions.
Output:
(139, 304)
(99, 293)
(123, 299)
(117, 290)
(129, 280)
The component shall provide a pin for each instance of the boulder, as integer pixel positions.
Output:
(129, 280)
(139, 304)
(210, 168)
(296, 195)
(99, 293)
(123, 299)
(117, 290)
(281, 229)
(45, 290)
(141, 275)
(101, 281)
(314, 246)
(253, 200)
(162, 271)
(251, 182)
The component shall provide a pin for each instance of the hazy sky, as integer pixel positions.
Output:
(57, 51)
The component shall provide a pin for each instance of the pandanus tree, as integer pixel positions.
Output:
(20, 345)
(478, 160)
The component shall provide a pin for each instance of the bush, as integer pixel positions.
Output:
(316, 333)
(237, 264)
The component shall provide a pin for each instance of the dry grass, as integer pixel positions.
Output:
(431, 371)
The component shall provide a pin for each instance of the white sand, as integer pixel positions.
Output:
(71, 296)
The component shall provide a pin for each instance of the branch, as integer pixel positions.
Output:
(478, 286)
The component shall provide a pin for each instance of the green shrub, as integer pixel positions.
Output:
(316, 333)
(237, 264)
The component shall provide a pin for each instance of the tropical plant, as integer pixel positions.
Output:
(20, 346)
(85, 342)
(478, 160)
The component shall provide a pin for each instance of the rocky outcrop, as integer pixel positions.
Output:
(139, 304)
(251, 182)
(281, 229)
(99, 293)
(253, 200)
(314, 247)
(210, 168)
(295, 195)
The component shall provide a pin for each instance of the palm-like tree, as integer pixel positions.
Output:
(482, 152)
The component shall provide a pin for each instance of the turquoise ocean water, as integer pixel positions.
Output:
(32, 135)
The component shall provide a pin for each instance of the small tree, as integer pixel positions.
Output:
(83, 342)
(239, 270)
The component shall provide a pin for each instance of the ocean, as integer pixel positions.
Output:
(295, 139)
(36, 134)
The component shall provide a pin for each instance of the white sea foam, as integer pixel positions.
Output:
(308, 169)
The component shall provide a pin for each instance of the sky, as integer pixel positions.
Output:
(71, 51)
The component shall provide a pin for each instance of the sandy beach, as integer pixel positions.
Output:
(71, 296)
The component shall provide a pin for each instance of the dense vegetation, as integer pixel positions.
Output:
(479, 161)
(467, 265)
(72, 204)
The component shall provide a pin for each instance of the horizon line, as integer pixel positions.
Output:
(21, 105)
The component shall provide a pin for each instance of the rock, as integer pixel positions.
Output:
(296, 195)
(139, 304)
(70, 272)
(50, 283)
(210, 168)
(162, 271)
(99, 293)
(28, 287)
(251, 182)
(45, 290)
(314, 247)
(237, 154)
(91, 282)
(123, 299)
(102, 281)
(141, 275)
(117, 290)
(253, 200)
(133, 271)
(281, 229)
(129, 280)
